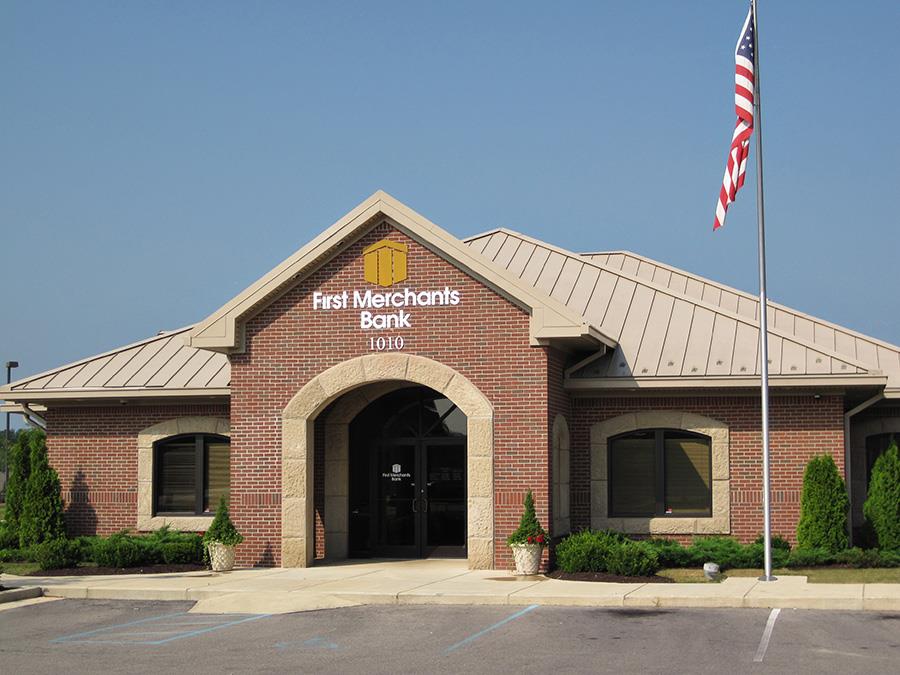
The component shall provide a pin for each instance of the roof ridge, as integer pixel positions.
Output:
(52, 371)
(749, 296)
(706, 305)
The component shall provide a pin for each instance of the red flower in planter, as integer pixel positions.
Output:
(540, 539)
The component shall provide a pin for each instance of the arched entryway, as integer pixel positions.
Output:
(351, 386)
(407, 478)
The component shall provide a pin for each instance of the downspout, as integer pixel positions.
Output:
(33, 418)
(847, 415)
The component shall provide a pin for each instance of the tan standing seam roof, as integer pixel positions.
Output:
(159, 364)
(672, 323)
(846, 343)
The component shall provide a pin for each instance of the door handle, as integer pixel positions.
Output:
(424, 505)
(414, 502)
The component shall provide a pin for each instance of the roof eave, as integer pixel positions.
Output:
(111, 394)
(775, 381)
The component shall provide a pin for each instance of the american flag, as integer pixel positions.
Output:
(743, 104)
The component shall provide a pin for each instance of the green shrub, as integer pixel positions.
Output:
(823, 507)
(15, 555)
(182, 552)
(857, 557)
(810, 557)
(882, 506)
(753, 555)
(724, 551)
(670, 553)
(57, 554)
(890, 558)
(529, 530)
(19, 470)
(8, 538)
(120, 550)
(603, 551)
(632, 559)
(42, 509)
(223, 530)
(777, 542)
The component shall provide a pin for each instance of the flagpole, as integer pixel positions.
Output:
(763, 318)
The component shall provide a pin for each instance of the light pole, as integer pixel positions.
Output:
(9, 366)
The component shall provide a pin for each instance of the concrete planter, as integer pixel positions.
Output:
(221, 557)
(527, 557)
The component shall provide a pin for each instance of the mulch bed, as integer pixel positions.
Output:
(90, 571)
(603, 576)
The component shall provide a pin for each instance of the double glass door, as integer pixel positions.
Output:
(420, 498)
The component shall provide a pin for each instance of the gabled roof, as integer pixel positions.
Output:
(159, 366)
(674, 328)
(550, 319)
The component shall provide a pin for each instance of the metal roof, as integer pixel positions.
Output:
(159, 366)
(672, 324)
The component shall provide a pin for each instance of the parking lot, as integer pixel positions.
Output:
(94, 636)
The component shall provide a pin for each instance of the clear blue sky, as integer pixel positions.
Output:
(158, 157)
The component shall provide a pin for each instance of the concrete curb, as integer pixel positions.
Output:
(24, 593)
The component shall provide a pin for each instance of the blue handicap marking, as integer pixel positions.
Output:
(312, 643)
(158, 630)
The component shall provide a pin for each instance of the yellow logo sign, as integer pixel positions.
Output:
(385, 262)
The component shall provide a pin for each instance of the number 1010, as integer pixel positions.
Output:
(385, 344)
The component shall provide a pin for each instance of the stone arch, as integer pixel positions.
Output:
(559, 438)
(145, 440)
(718, 523)
(297, 439)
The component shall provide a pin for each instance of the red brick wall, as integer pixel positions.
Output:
(94, 450)
(485, 338)
(800, 427)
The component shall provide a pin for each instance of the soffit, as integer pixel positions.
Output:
(663, 329)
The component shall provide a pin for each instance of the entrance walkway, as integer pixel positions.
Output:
(273, 591)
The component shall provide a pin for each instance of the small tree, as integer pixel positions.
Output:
(823, 507)
(529, 530)
(19, 470)
(42, 509)
(882, 506)
(222, 530)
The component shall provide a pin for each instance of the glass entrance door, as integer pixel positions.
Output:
(445, 499)
(408, 477)
(421, 499)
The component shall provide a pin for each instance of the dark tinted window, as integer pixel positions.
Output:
(191, 473)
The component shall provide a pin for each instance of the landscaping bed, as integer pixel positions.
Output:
(93, 570)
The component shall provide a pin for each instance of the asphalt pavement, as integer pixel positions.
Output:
(103, 636)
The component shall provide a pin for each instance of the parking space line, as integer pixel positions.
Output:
(472, 638)
(121, 632)
(201, 631)
(67, 638)
(766, 636)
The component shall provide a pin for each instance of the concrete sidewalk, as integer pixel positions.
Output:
(274, 591)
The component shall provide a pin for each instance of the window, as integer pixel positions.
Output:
(191, 473)
(660, 472)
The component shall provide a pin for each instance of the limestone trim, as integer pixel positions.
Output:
(297, 438)
(146, 438)
(560, 447)
(718, 523)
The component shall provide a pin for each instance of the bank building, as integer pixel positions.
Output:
(392, 391)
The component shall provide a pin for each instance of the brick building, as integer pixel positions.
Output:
(390, 390)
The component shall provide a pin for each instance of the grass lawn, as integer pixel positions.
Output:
(832, 575)
(19, 568)
(815, 575)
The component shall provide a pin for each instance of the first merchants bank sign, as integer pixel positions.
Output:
(385, 265)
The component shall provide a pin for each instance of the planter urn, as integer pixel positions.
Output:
(221, 557)
(527, 557)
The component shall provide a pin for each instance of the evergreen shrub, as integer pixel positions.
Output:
(529, 530)
(823, 507)
(604, 551)
(882, 506)
(41, 518)
(57, 554)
